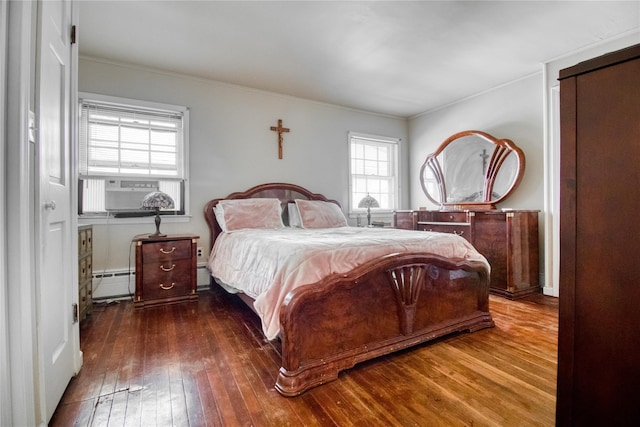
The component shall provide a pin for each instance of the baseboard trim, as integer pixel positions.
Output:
(119, 284)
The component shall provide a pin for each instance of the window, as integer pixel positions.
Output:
(127, 149)
(374, 171)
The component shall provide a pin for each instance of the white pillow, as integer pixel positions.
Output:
(319, 214)
(241, 214)
(294, 215)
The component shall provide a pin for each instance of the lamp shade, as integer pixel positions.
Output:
(157, 200)
(368, 202)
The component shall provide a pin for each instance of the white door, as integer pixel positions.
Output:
(55, 317)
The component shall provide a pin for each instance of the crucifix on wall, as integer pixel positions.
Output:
(484, 156)
(280, 131)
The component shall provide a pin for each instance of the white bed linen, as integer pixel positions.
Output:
(267, 264)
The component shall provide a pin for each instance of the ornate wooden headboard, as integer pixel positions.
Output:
(286, 193)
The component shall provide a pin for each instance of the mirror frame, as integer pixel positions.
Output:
(504, 147)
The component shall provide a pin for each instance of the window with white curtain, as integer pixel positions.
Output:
(128, 148)
(373, 169)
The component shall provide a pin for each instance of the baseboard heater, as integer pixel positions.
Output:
(119, 284)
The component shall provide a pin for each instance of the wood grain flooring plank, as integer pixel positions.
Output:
(133, 410)
(189, 352)
(118, 409)
(408, 396)
(226, 392)
(207, 363)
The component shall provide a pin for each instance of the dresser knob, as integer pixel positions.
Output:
(166, 288)
(168, 252)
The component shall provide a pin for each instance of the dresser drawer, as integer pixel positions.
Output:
(403, 220)
(442, 216)
(85, 269)
(85, 240)
(461, 229)
(166, 251)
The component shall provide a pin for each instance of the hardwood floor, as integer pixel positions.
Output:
(207, 363)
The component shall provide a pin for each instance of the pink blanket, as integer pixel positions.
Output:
(267, 264)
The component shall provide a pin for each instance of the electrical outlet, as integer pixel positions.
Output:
(199, 252)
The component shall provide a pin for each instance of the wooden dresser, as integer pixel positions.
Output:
(508, 239)
(85, 271)
(599, 316)
(165, 269)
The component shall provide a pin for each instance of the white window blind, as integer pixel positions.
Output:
(129, 141)
(373, 170)
(120, 140)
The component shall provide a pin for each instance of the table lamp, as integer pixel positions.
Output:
(157, 200)
(368, 202)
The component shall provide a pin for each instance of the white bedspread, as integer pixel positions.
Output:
(267, 264)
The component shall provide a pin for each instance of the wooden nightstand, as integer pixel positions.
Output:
(165, 269)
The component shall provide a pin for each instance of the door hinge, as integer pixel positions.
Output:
(73, 34)
(75, 314)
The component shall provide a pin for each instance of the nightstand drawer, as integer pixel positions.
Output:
(165, 251)
(160, 285)
(166, 271)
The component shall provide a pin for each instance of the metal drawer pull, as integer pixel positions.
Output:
(168, 252)
(163, 268)
(166, 288)
(458, 233)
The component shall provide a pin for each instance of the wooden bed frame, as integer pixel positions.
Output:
(385, 305)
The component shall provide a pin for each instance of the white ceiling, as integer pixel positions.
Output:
(392, 57)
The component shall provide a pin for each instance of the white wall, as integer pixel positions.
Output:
(512, 111)
(232, 147)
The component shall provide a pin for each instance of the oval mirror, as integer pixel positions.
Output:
(472, 170)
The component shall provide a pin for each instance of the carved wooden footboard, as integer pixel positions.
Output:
(385, 305)
(380, 307)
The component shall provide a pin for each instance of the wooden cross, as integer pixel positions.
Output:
(484, 156)
(280, 131)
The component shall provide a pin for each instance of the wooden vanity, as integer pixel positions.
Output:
(467, 176)
(507, 238)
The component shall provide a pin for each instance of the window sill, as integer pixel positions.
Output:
(99, 219)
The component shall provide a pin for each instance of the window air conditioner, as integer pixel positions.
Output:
(125, 195)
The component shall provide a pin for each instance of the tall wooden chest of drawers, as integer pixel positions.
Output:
(165, 269)
(85, 271)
